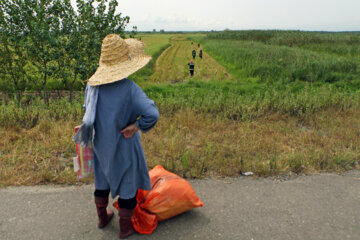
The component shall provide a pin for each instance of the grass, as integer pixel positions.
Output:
(154, 42)
(196, 145)
(289, 38)
(287, 56)
(155, 46)
(29, 111)
(172, 64)
(243, 101)
(259, 62)
(268, 102)
(38, 155)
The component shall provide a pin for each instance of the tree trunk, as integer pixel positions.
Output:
(46, 100)
(59, 95)
(19, 95)
(72, 88)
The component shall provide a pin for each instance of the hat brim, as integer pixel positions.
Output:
(115, 72)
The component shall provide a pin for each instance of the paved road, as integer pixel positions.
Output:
(325, 206)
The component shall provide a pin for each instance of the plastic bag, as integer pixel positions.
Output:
(170, 195)
(84, 158)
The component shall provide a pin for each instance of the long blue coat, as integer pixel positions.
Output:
(119, 162)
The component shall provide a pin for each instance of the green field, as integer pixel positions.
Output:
(154, 42)
(283, 57)
(172, 64)
(264, 101)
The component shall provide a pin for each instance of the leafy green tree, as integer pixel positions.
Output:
(13, 61)
(46, 41)
(84, 31)
(36, 23)
(94, 23)
(133, 32)
(69, 59)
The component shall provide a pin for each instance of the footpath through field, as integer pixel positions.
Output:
(172, 66)
(322, 206)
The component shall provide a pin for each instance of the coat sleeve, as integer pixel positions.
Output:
(144, 108)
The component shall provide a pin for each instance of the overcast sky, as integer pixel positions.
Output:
(194, 15)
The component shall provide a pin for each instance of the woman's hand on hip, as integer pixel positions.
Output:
(130, 130)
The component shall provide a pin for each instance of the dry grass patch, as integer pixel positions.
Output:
(39, 155)
(196, 145)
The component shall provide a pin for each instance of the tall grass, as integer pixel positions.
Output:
(289, 38)
(29, 111)
(230, 100)
(257, 61)
(250, 101)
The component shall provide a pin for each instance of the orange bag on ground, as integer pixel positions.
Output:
(169, 196)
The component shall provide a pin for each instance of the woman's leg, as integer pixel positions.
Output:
(101, 202)
(127, 203)
(126, 210)
(101, 194)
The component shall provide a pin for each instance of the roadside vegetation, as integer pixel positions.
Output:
(282, 102)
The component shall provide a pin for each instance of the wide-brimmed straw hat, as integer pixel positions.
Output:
(119, 58)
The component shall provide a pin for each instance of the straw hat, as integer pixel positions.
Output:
(119, 58)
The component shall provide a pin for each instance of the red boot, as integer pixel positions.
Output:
(126, 228)
(104, 215)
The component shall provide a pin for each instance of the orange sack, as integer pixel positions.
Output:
(169, 196)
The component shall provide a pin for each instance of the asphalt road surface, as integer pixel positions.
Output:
(325, 206)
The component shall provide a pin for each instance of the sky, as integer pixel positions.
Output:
(206, 15)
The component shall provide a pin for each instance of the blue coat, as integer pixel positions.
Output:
(119, 163)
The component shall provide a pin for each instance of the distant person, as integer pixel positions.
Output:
(198, 44)
(193, 54)
(200, 53)
(191, 67)
(192, 43)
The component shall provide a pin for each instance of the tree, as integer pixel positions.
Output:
(48, 40)
(133, 32)
(13, 61)
(35, 24)
(94, 24)
(85, 30)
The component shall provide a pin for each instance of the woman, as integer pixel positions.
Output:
(116, 108)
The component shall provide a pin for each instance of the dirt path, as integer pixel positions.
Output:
(172, 66)
(324, 206)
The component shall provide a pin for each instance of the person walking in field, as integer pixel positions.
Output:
(200, 53)
(191, 67)
(116, 108)
(193, 54)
